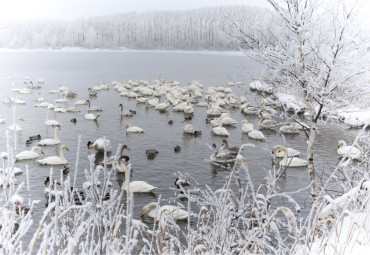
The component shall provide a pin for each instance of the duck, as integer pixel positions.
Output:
(151, 153)
(17, 127)
(177, 148)
(124, 112)
(74, 120)
(133, 129)
(50, 122)
(221, 131)
(291, 161)
(29, 141)
(139, 187)
(29, 154)
(100, 145)
(289, 129)
(49, 141)
(55, 160)
(93, 108)
(90, 116)
(35, 137)
(168, 210)
(352, 122)
(170, 122)
(246, 127)
(353, 152)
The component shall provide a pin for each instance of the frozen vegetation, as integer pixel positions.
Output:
(310, 49)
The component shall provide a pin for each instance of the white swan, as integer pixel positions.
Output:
(256, 134)
(168, 210)
(90, 116)
(100, 144)
(188, 129)
(266, 123)
(55, 160)
(246, 127)
(29, 154)
(17, 127)
(301, 125)
(289, 129)
(227, 120)
(61, 100)
(216, 122)
(225, 154)
(43, 104)
(221, 131)
(352, 122)
(352, 151)
(73, 109)
(133, 129)
(189, 109)
(289, 162)
(291, 153)
(139, 187)
(93, 108)
(80, 102)
(49, 141)
(50, 122)
(162, 106)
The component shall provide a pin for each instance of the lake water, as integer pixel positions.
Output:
(81, 70)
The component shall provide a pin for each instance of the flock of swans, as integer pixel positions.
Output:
(189, 99)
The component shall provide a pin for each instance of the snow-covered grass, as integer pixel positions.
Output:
(242, 217)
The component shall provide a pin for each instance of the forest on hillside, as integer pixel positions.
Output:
(198, 29)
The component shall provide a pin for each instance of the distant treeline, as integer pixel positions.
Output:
(201, 29)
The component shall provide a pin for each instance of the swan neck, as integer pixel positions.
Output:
(55, 134)
(61, 153)
(121, 107)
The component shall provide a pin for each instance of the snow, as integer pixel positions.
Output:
(349, 236)
(260, 86)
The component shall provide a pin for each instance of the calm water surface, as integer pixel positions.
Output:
(81, 70)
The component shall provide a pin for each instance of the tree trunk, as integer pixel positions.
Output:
(311, 168)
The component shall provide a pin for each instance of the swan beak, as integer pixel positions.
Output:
(142, 214)
(338, 145)
(66, 148)
(21, 119)
(273, 150)
(42, 151)
(91, 146)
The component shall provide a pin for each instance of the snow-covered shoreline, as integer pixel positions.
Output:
(81, 49)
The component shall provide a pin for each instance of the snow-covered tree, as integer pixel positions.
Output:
(312, 49)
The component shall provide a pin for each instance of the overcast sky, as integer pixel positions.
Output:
(74, 9)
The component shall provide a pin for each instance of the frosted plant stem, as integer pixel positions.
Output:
(76, 165)
(154, 225)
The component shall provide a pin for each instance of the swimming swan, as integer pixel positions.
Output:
(29, 154)
(131, 129)
(50, 122)
(352, 151)
(221, 131)
(55, 160)
(90, 116)
(289, 162)
(17, 126)
(168, 210)
(289, 129)
(246, 127)
(93, 108)
(125, 112)
(139, 187)
(99, 145)
(49, 141)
